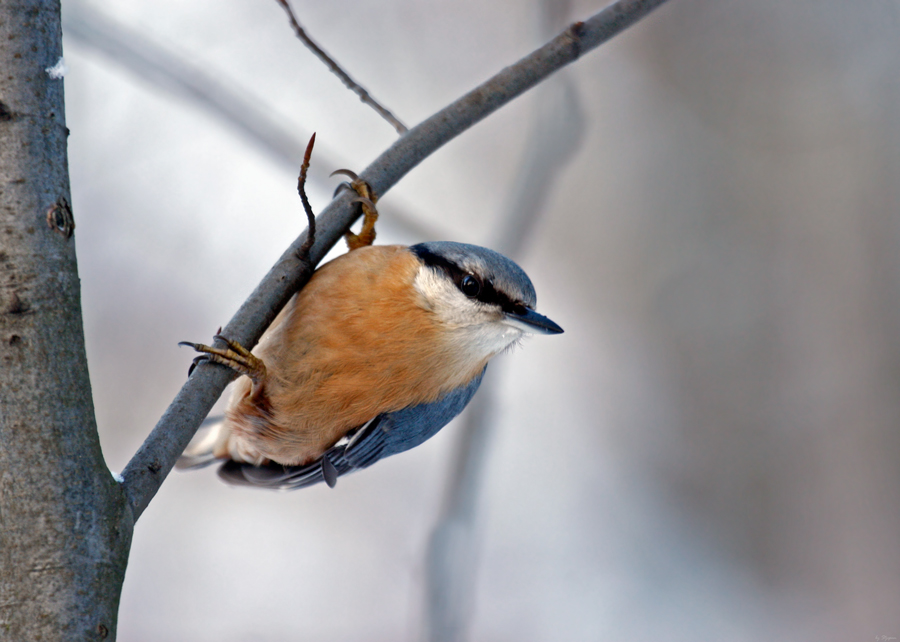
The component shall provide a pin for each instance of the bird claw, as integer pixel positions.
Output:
(364, 201)
(367, 198)
(235, 356)
(341, 186)
(196, 360)
(345, 172)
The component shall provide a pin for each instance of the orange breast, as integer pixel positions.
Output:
(356, 342)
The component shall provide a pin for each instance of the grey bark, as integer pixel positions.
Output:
(65, 528)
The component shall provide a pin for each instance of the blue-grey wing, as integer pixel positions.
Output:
(383, 436)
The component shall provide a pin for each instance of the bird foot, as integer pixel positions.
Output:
(235, 356)
(367, 198)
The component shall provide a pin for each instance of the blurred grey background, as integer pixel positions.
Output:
(710, 452)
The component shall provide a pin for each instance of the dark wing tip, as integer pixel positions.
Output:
(362, 448)
(329, 472)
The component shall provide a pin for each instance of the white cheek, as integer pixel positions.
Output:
(473, 332)
(442, 297)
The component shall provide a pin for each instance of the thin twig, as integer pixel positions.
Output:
(335, 68)
(157, 455)
(303, 252)
(164, 68)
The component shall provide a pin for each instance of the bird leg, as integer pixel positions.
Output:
(236, 357)
(367, 198)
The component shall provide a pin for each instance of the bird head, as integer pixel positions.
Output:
(483, 300)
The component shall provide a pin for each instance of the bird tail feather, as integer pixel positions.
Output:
(200, 452)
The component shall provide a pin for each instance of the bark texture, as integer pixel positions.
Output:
(65, 529)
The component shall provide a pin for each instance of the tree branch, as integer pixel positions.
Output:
(335, 68)
(65, 528)
(156, 457)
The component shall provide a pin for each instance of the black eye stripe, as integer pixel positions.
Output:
(487, 293)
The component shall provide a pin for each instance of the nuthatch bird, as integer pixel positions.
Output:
(381, 349)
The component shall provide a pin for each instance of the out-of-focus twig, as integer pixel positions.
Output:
(153, 461)
(153, 63)
(452, 555)
(336, 69)
(451, 562)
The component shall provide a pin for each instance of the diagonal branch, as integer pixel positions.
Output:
(335, 68)
(157, 455)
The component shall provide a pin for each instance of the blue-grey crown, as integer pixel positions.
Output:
(503, 282)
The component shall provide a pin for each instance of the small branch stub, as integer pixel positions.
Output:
(60, 219)
(303, 252)
(6, 114)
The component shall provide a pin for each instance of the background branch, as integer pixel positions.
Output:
(336, 69)
(155, 458)
(153, 63)
(451, 561)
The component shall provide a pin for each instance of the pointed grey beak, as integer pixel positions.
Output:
(531, 321)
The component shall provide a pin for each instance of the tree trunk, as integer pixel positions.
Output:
(65, 530)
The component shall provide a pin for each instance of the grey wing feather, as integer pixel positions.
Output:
(383, 436)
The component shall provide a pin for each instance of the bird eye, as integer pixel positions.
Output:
(470, 286)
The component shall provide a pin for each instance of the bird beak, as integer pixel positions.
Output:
(531, 321)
